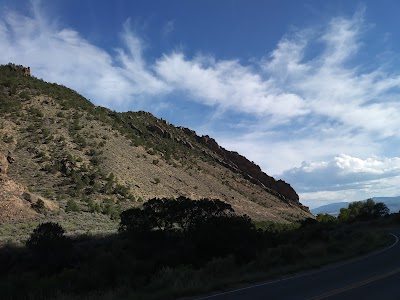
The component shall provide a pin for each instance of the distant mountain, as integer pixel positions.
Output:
(393, 203)
(332, 208)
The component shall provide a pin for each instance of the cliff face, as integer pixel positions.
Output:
(250, 170)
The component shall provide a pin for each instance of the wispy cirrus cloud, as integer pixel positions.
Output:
(168, 28)
(330, 85)
(229, 85)
(62, 55)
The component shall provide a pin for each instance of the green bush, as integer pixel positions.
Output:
(8, 139)
(72, 206)
(38, 206)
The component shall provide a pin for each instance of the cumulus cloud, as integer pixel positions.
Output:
(373, 188)
(345, 178)
(341, 173)
(277, 151)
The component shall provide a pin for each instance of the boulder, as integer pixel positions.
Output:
(5, 161)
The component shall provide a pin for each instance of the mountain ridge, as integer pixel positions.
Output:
(67, 149)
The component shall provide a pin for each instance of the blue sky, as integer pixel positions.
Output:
(309, 90)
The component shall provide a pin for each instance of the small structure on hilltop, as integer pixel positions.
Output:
(20, 68)
(27, 71)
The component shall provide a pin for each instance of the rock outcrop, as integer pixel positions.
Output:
(250, 170)
(5, 160)
(12, 205)
(158, 130)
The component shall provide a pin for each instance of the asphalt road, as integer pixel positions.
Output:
(375, 276)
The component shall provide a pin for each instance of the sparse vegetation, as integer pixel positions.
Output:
(170, 248)
(38, 205)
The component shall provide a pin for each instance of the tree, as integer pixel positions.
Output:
(363, 211)
(224, 235)
(355, 209)
(135, 220)
(194, 231)
(48, 240)
(344, 215)
(45, 233)
(325, 218)
(166, 215)
(366, 210)
(380, 210)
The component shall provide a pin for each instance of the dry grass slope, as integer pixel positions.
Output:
(67, 150)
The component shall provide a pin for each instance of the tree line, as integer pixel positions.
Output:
(357, 211)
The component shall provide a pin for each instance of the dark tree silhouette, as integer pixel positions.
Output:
(50, 247)
(224, 235)
(195, 229)
(380, 210)
(46, 237)
(180, 214)
(135, 220)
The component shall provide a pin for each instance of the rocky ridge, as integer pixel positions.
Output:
(66, 149)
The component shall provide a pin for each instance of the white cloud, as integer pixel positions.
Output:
(62, 55)
(329, 85)
(373, 188)
(277, 151)
(342, 173)
(229, 85)
(135, 67)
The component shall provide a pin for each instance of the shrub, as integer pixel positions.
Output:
(109, 208)
(93, 206)
(121, 190)
(38, 206)
(49, 246)
(8, 139)
(72, 206)
(47, 238)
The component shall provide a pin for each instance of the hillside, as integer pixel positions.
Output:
(57, 147)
